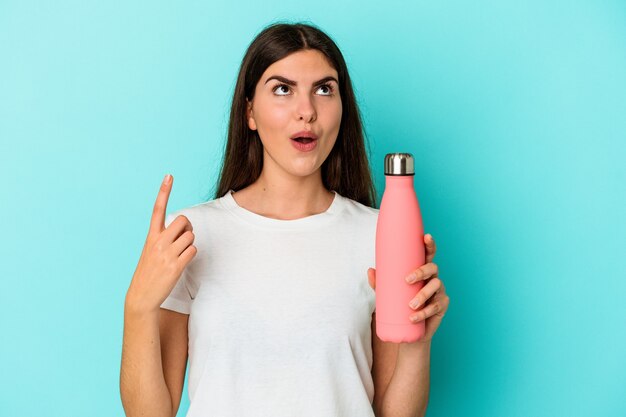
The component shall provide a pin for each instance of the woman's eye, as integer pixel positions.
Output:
(279, 86)
(328, 88)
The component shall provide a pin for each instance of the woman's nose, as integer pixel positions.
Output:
(305, 109)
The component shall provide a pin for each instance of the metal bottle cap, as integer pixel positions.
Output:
(399, 164)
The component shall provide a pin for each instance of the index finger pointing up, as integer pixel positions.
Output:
(157, 223)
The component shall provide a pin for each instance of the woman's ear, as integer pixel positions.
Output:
(250, 116)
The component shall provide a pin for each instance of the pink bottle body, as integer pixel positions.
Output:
(399, 251)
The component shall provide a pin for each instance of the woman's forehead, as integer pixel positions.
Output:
(302, 66)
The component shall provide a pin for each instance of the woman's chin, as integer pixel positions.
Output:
(304, 168)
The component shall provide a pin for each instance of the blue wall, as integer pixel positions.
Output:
(514, 111)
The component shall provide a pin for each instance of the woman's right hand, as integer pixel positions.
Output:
(165, 255)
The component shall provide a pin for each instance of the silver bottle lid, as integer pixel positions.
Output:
(399, 164)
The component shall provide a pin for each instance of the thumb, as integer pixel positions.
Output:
(371, 277)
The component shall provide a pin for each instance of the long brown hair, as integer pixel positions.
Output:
(346, 169)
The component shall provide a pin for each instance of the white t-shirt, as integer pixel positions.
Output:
(280, 311)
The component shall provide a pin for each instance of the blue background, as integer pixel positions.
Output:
(514, 111)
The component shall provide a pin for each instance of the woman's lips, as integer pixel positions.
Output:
(304, 147)
(304, 134)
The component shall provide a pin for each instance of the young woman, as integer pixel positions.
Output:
(264, 286)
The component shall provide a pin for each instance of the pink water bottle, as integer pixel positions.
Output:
(399, 251)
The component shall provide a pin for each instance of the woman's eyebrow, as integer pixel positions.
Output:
(291, 82)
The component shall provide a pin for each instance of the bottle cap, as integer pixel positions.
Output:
(399, 164)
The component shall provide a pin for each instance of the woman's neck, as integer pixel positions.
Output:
(282, 202)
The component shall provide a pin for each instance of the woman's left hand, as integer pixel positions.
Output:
(432, 301)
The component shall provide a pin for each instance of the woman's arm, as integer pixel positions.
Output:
(408, 389)
(154, 348)
(407, 392)
(142, 384)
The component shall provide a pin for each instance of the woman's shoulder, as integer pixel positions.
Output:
(200, 212)
(360, 208)
(359, 213)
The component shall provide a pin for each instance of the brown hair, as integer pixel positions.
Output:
(346, 169)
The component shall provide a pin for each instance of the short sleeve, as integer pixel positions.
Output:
(179, 298)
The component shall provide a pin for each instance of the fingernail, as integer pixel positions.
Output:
(167, 178)
(410, 278)
(414, 303)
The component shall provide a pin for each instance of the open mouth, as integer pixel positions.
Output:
(304, 140)
(304, 144)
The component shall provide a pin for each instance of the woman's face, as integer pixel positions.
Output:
(279, 110)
